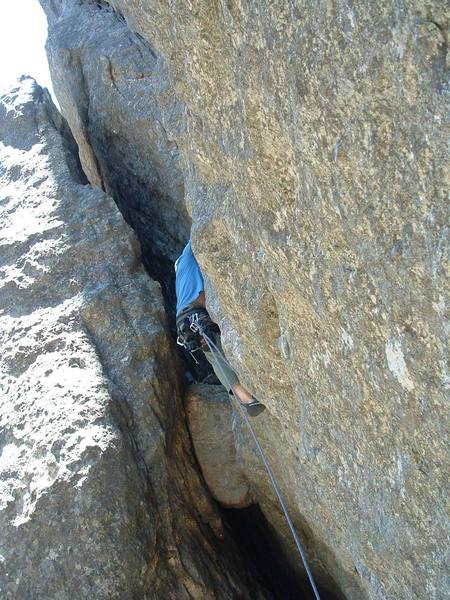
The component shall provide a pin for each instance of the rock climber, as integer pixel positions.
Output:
(191, 308)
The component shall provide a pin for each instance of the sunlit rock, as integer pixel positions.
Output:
(99, 492)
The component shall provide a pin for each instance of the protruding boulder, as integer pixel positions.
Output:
(210, 415)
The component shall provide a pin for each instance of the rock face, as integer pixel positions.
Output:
(124, 115)
(313, 154)
(99, 494)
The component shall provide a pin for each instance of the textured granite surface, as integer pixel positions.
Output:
(311, 138)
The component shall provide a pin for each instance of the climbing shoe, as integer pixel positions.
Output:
(253, 408)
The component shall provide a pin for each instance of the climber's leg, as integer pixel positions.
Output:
(229, 379)
(222, 369)
(189, 338)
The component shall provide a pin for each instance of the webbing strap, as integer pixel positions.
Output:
(214, 350)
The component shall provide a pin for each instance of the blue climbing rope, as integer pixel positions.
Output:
(214, 350)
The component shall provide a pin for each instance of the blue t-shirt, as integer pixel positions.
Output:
(188, 279)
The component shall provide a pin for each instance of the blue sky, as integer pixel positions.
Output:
(23, 31)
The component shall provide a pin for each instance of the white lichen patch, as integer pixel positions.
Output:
(346, 339)
(397, 365)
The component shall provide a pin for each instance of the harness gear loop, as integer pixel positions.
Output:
(213, 348)
(182, 342)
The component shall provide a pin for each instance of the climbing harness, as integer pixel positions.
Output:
(187, 339)
(188, 324)
(197, 328)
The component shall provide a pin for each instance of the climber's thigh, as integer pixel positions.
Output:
(222, 369)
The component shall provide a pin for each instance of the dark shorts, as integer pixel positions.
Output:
(214, 355)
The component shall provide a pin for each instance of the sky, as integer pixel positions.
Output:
(23, 31)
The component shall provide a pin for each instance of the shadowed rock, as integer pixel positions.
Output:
(115, 92)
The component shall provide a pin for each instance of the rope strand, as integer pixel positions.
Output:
(213, 349)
